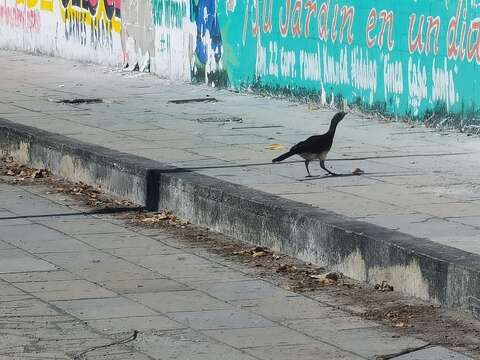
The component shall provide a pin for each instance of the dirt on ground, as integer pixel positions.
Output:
(381, 303)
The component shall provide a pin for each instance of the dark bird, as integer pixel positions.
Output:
(315, 147)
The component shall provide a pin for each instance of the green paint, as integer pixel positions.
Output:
(169, 13)
(321, 61)
(449, 84)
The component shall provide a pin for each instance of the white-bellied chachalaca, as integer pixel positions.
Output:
(315, 147)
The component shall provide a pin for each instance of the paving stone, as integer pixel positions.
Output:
(220, 319)
(139, 286)
(103, 308)
(29, 307)
(178, 265)
(12, 261)
(31, 205)
(433, 353)
(140, 323)
(342, 321)
(97, 266)
(57, 275)
(368, 342)
(254, 337)
(170, 301)
(7, 289)
(67, 244)
(280, 308)
(84, 226)
(65, 290)
(185, 345)
(107, 354)
(314, 351)
(18, 234)
(135, 251)
(4, 245)
(243, 290)
(8, 218)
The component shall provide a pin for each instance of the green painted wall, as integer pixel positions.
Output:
(406, 58)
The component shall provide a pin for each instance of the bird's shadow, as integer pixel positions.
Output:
(327, 176)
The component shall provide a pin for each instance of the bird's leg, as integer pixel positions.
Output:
(306, 165)
(322, 165)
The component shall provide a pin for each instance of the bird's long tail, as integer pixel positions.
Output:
(283, 157)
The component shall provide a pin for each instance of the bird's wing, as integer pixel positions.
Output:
(313, 144)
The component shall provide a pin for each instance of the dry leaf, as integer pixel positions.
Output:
(384, 286)
(259, 253)
(358, 171)
(276, 147)
(10, 173)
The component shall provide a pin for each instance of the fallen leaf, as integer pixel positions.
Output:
(358, 171)
(38, 174)
(275, 147)
(384, 286)
(335, 276)
(259, 253)
(10, 173)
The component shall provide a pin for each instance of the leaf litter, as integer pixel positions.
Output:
(405, 315)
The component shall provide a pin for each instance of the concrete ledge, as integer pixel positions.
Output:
(365, 252)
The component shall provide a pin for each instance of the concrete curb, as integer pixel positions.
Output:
(365, 252)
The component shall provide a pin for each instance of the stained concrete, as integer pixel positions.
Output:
(160, 154)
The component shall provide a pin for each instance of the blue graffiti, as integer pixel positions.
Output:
(206, 19)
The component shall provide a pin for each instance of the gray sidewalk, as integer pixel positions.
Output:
(69, 283)
(419, 181)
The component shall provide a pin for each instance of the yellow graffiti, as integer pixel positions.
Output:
(45, 5)
(80, 14)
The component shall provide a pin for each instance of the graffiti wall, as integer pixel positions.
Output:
(406, 58)
(86, 30)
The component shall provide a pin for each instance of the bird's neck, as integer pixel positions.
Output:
(333, 127)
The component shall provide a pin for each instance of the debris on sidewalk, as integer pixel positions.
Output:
(20, 173)
(384, 286)
(15, 173)
(78, 101)
(358, 172)
(276, 147)
(164, 217)
(403, 315)
(329, 278)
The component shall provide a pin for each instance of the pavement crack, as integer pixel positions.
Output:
(131, 338)
(403, 352)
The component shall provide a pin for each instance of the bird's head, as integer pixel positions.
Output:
(338, 117)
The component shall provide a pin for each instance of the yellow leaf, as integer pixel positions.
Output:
(276, 147)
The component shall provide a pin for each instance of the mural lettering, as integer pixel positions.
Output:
(27, 20)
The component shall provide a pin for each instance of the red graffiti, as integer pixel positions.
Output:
(433, 25)
(267, 21)
(296, 16)
(415, 43)
(371, 24)
(348, 14)
(311, 10)
(20, 18)
(465, 44)
(285, 24)
(474, 50)
(386, 18)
